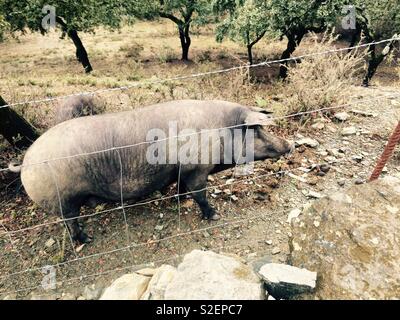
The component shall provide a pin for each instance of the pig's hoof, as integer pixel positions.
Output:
(83, 238)
(215, 217)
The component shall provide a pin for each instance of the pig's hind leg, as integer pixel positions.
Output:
(196, 183)
(75, 228)
(71, 216)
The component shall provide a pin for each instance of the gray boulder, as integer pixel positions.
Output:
(205, 275)
(351, 240)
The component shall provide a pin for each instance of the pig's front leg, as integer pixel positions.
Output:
(196, 184)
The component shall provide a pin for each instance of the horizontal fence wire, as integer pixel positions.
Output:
(347, 105)
(201, 74)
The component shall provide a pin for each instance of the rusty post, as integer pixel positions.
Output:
(387, 153)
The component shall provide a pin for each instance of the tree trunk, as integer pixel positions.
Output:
(250, 45)
(14, 128)
(81, 53)
(250, 54)
(293, 43)
(185, 41)
(374, 60)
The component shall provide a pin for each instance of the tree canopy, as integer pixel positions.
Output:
(72, 16)
(247, 23)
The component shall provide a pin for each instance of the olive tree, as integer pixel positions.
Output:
(375, 21)
(246, 24)
(293, 19)
(184, 13)
(71, 16)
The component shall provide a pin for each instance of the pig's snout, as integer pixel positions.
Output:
(290, 147)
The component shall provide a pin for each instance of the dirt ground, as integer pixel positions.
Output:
(254, 208)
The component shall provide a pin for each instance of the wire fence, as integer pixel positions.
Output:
(123, 206)
(202, 74)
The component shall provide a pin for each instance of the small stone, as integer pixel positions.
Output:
(276, 250)
(234, 198)
(349, 131)
(217, 191)
(50, 242)
(358, 158)
(341, 182)
(284, 281)
(307, 142)
(342, 116)
(331, 159)
(293, 214)
(159, 227)
(359, 181)
(375, 241)
(268, 242)
(227, 192)
(318, 126)
(316, 223)
(325, 167)
(313, 194)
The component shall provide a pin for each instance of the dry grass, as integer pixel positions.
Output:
(321, 81)
(34, 67)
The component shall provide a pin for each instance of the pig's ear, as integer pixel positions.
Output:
(261, 110)
(259, 119)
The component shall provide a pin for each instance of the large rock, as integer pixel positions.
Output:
(352, 240)
(159, 282)
(205, 275)
(284, 281)
(128, 287)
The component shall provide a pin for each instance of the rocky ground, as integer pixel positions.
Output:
(332, 154)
